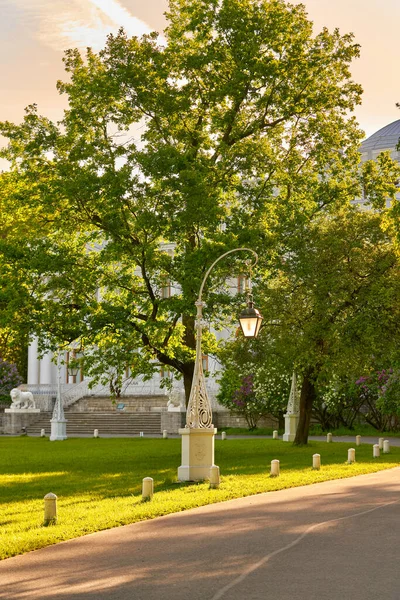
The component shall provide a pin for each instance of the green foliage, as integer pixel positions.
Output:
(9, 379)
(254, 382)
(244, 401)
(380, 395)
(168, 155)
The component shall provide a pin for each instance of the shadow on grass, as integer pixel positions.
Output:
(107, 468)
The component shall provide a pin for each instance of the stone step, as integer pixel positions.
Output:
(85, 423)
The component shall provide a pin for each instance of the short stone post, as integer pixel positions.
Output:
(351, 456)
(223, 435)
(316, 462)
(358, 440)
(274, 468)
(329, 438)
(275, 435)
(141, 434)
(96, 433)
(42, 433)
(50, 509)
(147, 488)
(376, 451)
(165, 434)
(380, 443)
(214, 477)
(386, 446)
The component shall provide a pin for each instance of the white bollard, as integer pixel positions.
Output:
(42, 433)
(358, 440)
(50, 509)
(223, 435)
(274, 468)
(351, 456)
(214, 477)
(147, 488)
(329, 438)
(96, 433)
(275, 435)
(141, 434)
(386, 446)
(376, 451)
(165, 434)
(316, 462)
(380, 443)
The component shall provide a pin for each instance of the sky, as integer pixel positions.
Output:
(35, 33)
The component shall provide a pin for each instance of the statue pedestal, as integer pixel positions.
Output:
(291, 422)
(16, 419)
(197, 453)
(58, 430)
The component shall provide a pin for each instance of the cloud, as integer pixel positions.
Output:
(78, 23)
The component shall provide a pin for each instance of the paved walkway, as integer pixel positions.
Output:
(337, 540)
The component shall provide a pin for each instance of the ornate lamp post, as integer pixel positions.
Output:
(58, 420)
(198, 434)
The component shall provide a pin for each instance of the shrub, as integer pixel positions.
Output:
(9, 379)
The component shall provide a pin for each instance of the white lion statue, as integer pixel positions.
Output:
(22, 399)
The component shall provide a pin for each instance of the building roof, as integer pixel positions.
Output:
(386, 138)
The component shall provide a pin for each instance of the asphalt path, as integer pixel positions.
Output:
(337, 540)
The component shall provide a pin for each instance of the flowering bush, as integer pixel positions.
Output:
(380, 393)
(246, 403)
(254, 382)
(9, 379)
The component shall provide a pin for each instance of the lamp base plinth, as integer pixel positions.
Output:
(58, 430)
(291, 422)
(197, 453)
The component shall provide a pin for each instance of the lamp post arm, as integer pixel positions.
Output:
(218, 259)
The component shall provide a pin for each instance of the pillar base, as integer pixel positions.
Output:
(291, 422)
(58, 430)
(197, 454)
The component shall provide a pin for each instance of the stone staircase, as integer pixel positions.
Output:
(86, 415)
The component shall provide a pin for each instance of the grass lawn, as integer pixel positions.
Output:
(98, 481)
(315, 429)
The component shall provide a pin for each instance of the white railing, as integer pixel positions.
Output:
(72, 392)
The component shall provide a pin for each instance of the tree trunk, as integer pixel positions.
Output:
(307, 397)
(189, 338)
(188, 370)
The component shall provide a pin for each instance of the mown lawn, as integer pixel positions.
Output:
(98, 481)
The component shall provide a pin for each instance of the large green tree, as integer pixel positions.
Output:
(232, 132)
(332, 305)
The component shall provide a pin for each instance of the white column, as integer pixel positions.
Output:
(45, 369)
(33, 362)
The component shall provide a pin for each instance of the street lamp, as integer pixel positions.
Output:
(250, 319)
(198, 434)
(74, 364)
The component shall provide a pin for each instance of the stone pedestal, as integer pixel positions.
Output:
(17, 418)
(197, 453)
(58, 430)
(291, 422)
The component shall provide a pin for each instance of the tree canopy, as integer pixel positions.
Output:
(235, 131)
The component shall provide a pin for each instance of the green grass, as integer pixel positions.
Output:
(363, 430)
(98, 481)
(245, 431)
